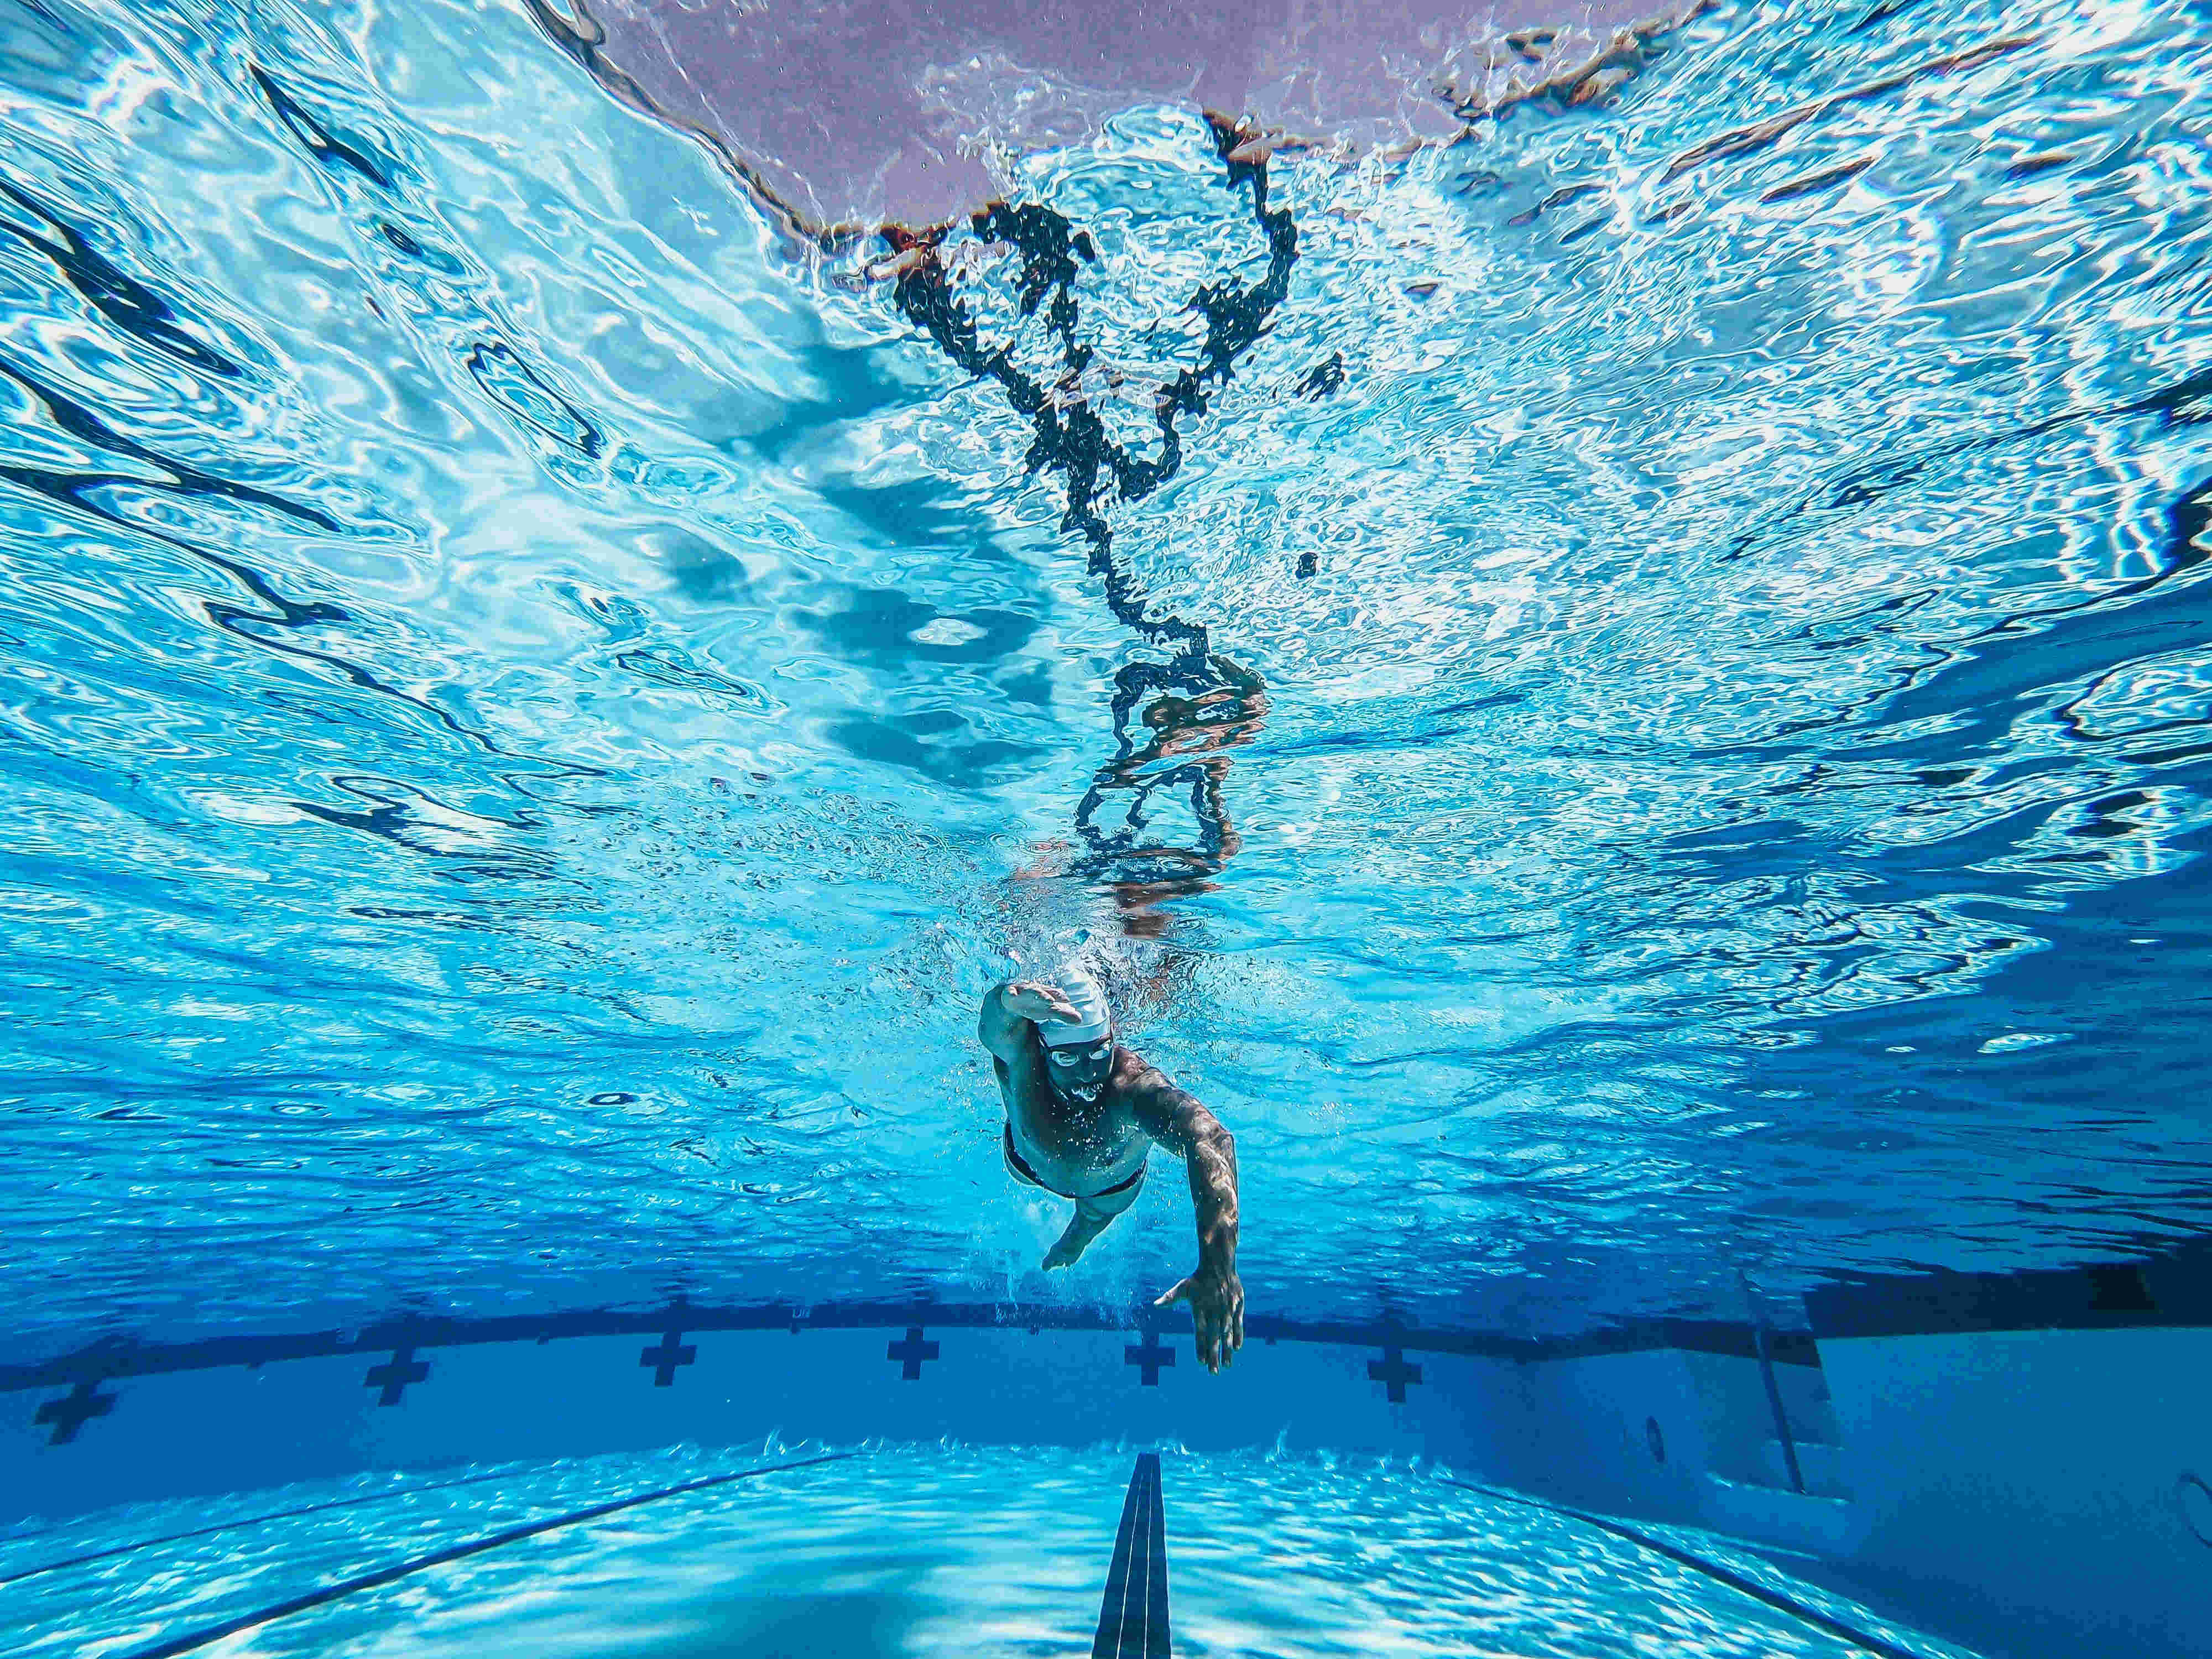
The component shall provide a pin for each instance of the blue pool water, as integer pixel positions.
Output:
(528, 701)
(1648, 754)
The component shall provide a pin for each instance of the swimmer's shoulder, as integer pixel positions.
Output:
(1136, 1078)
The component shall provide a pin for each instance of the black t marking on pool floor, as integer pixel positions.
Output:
(1132, 1619)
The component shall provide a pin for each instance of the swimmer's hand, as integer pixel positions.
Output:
(1217, 1312)
(1037, 1002)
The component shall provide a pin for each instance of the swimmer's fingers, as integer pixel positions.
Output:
(1035, 1001)
(1182, 1292)
(1212, 1336)
(1229, 1326)
(1217, 1327)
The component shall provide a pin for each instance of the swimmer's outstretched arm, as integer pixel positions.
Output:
(1216, 1296)
(1009, 1010)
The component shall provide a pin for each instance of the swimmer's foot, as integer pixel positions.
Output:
(1086, 1224)
(1081, 1230)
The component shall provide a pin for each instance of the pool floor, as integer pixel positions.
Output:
(903, 1551)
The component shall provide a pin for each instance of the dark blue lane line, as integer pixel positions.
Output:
(1711, 1570)
(246, 1521)
(1112, 1607)
(1156, 1643)
(329, 1593)
(1133, 1615)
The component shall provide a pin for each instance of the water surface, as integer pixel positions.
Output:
(533, 706)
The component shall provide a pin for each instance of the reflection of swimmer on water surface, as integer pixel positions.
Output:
(1197, 717)
(1082, 1114)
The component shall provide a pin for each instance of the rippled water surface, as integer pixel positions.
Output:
(924, 1552)
(532, 706)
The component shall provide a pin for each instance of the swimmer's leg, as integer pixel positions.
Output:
(1091, 1218)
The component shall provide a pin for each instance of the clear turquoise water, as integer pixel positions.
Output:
(526, 703)
(926, 1551)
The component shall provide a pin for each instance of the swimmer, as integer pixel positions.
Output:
(1082, 1112)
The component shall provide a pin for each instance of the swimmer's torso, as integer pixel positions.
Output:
(1075, 1148)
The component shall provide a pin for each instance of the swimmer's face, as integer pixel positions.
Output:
(1079, 1072)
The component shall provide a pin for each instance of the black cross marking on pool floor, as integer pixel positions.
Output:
(673, 1351)
(1133, 1617)
(1151, 1356)
(1392, 1370)
(395, 1374)
(910, 1353)
(73, 1411)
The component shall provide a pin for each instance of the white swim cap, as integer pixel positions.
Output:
(1083, 992)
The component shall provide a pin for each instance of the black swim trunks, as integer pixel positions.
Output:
(1020, 1168)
